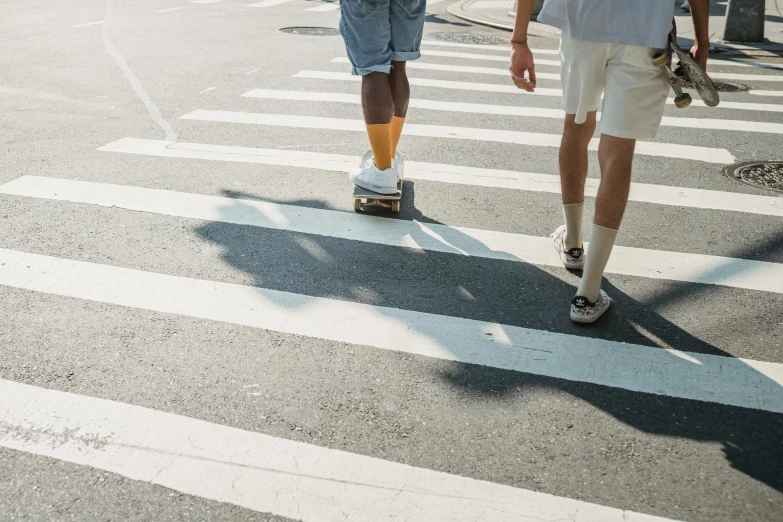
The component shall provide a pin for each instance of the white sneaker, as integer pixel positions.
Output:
(372, 178)
(397, 163)
(573, 258)
(584, 311)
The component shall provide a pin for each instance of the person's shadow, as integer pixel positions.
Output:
(502, 291)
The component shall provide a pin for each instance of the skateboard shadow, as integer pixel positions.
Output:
(495, 287)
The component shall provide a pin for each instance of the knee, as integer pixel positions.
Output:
(580, 131)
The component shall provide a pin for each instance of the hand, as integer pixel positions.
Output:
(699, 53)
(521, 61)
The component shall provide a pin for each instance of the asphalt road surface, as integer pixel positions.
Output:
(195, 325)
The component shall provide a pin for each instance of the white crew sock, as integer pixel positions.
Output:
(573, 220)
(599, 249)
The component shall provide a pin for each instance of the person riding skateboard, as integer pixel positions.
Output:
(606, 48)
(380, 36)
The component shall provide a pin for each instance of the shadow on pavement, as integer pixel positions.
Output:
(511, 293)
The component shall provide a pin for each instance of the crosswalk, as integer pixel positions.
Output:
(679, 365)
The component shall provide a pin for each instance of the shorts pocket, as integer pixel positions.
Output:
(361, 8)
(410, 5)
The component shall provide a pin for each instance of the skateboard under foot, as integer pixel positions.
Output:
(363, 198)
(687, 69)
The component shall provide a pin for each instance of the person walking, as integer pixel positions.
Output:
(606, 48)
(380, 36)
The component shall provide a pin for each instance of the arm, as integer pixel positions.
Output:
(700, 12)
(521, 57)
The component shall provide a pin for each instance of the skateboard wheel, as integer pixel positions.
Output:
(395, 207)
(683, 101)
(660, 59)
(357, 205)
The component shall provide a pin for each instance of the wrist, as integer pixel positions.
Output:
(519, 41)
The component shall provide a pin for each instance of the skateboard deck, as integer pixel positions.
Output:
(688, 70)
(363, 198)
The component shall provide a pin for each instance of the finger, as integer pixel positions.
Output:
(532, 72)
(522, 83)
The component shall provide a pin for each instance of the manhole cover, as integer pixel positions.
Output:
(721, 86)
(731, 87)
(760, 174)
(311, 31)
(469, 38)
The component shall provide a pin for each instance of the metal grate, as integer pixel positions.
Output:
(480, 39)
(311, 31)
(760, 174)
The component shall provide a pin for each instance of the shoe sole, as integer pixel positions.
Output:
(590, 319)
(377, 190)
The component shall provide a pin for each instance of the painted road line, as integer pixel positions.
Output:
(555, 52)
(512, 110)
(486, 57)
(638, 262)
(766, 93)
(205, 1)
(88, 24)
(267, 3)
(492, 71)
(260, 472)
(170, 9)
(660, 371)
(428, 82)
(512, 89)
(331, 6)
(497, 58)
(494, 178)
(507, 48)
(496, 71)
(426, 66)
(534, 139)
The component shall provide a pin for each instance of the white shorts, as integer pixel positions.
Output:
(634, 90)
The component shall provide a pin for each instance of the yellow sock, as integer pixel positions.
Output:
(396, 132)
(380, 143)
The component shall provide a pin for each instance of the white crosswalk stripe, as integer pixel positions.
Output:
(329, 6)
(713, 74)
(512, 89)
(484, 57)
(680, 374)
(485, 177)
(496, 71)
(536, 139)
(264, 473)
(506, 110)
(281, 475)
(721, 62)
(268, 3)
(675, 266)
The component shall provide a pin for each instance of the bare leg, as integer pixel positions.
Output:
(400, 89)
(573, 171)
(377, 101)
(573, 157)
(615, 156)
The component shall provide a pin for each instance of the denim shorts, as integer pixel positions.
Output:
(379, 31)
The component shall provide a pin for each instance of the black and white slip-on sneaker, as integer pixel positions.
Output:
(573, 258)
(585, 311)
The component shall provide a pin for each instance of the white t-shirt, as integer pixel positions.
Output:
(645, 23)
